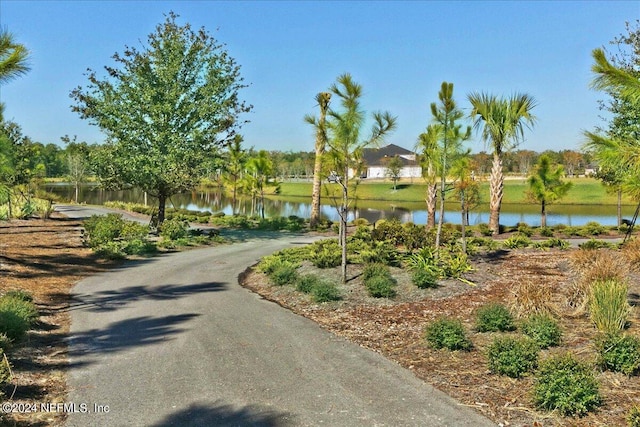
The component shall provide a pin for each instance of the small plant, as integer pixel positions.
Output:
(425, 278)
(380, 252)
(494, 318)
(174, 229)
(326, 254)
(543, 329)
(325, 292)
(608, 305)
(517, 241)
(285, 274)
(449, 334)
(553, 242)
(5, 369)
(546, 231)
(593, 228)
(524, 229)
(381, 286)
(373, 270)
(20, 294)
(512, 356)
(531, 298)
(307, 282)
(619, 353)
(484, 229)
(633, 419)
(566, 385)
(593, 244)
(16, 317)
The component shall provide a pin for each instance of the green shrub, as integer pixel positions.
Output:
(307, 282)
(5, 369)
(447, 333)
(553, 242)
(593, 228)
(381, 286)
(517, 241)
(608, 305)
(132, 230)
(20, 294)
(543, 329)
(484, 229)
(566, 385)
(326, 253)
(482, 242)
(285, 274)
(424, 259)
(174, 229)
(415, 236)
(325, 291)
(454, 264)
(493, 318)
(546, 231)
(16, 317)
(380, 252)
(633, 419)
(619, 353)
(373, 270)
(388, 230)
(139, 247)
(271, 263)
(593, 244)
(512, 356)
(425, 278)
(111, 250)
(524, 229)
(101, 229)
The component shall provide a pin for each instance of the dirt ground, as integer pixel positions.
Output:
(47, 258)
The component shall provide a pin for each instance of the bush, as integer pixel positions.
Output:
(553, 242)
(564, 384)
(16, 317)
(543, 329)
(388, 230)
(494, 318)
(619, 353)
(307, 282)
(608, 305)
(174, 229)
(326, 254)
(633, 419)
(102, 229)
(380, 252)
(285, 274)
(5, 369)
(449, 334)
(20, 294)
(325, 292)
(517, 241)
(271, 263)
(484, 229)
(546, 232)
(593, 244)
(593, 228)
(425, 278)
(512, 356)
(524, 229)
(381, 286)
(373, 270)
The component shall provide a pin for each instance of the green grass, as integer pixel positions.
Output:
(585, 191)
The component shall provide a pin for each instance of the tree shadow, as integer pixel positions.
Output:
(201, 414)
(129, 333)
(115, 299)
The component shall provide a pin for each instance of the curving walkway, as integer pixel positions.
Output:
(175, 341)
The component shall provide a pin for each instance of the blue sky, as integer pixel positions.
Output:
(399, 51)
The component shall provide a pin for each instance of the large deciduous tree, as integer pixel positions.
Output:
(502, 121)
(320, 124)
(165, 108)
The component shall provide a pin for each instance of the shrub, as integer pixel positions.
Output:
(593, 228)
(517, 241)
(564, 384)
(388, 230)
(23, 308)
(271, 263)
(493, 318)
(325, 292)
(20, 294)
(483, 242)
(447, 333)
(512, 356)
(373, 270)
(380, 252)
(552, 243)
(381, 286)
(307, 282)
(101, 229)
(543, 329)
(633, 419)
(285, 274)
(484, 229)
(608, 305)
(546, 231)
(174, 229)
(425, 278)
(415, 236)
(531, 298)
(326, 254)
(16, 317)
(593, 244)
(5, 369)
(454, 264)
(139, 247)
(619, 353)
(524, 229)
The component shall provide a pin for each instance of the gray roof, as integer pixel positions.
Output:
(377, 156)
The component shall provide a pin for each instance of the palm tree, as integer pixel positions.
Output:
(502, 122)
(236, 159)
(609, 77)
(13, 60)
(260, 168)
(427, 146)
(546, 185)
(323, 99)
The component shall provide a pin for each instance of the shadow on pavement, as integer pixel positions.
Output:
(103, 301)
(202, 414)
(128, 333)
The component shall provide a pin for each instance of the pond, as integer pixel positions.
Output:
(214, 201)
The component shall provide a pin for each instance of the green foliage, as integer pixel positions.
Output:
(381, 286)
(512, 356)
(619, 353)
(271, 263)
(389, 230)
(5, 369)
(482, 242)
(285, 274)
(454, 264)
(494, 317)
(593, 244)
(307, 282)
(16, 316)
(380, 252)
(524, 229)
(543, 329)
(325, 291)
(566, 385)
(374, 269)
(546, 231)
(517, 241)
(326, 254)
(415, 236)
(447, 333)
(425, 278)
(174, 229)
(553, 242)
(19, 294)
(112, 237)
(484, 229)
(608, 306)
(101, 229)
(633, 419)
(593, 228)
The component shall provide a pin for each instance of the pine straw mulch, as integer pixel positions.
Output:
(45, 258)
(522, 279)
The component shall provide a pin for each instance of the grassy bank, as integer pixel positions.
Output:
(585, 191)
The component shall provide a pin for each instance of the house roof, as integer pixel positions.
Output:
(378, 156)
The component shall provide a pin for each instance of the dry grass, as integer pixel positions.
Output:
(532, 298)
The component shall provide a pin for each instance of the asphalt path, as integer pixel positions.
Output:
(175, 341)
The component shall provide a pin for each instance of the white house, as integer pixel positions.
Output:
(376, 160)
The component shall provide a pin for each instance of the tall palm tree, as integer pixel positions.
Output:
(610, 77)
(323, 99)
(427, 146)
(502, 121)
(13, 60)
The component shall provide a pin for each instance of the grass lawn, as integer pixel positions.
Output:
(585, 191)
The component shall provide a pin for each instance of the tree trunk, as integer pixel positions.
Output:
(343, 220)
(76, 192)
(162, 201)
(463, 213)
(495, 197)
(543, 215)
(317, 183)
(619, 207)
(432, 192)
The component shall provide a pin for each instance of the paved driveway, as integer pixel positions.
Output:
(174, 340)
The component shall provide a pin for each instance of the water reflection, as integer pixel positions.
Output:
(215, 201)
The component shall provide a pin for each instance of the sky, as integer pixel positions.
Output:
(400, 52)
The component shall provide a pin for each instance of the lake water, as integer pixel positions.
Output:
(214, 201)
